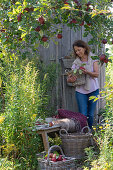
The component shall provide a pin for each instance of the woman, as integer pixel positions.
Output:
(91, 87)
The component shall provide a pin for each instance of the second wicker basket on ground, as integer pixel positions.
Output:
(73, 144)
(68, 164)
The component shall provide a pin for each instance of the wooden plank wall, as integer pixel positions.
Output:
(65, 95)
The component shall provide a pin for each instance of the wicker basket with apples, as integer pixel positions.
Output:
(55, 159)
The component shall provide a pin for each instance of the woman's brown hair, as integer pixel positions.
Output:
(80, 43)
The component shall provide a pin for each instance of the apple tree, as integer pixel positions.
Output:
(30, 23)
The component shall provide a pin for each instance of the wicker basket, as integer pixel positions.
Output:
(68, 164)
(73, 144)
(81, 80)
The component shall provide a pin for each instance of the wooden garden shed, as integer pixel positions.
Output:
(63, 94)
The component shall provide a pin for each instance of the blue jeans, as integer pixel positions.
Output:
(87, 107)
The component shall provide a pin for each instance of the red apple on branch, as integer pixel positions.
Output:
(73, 21)
(44, 38)
(41, 20)
(104, 41)
(59, 36)
(37, 28)
(82, 23)
(106, 60)
(102, 57)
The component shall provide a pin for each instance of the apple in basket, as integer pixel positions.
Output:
(64, 159)
(60, 158)
(54, 158)
(51, 155)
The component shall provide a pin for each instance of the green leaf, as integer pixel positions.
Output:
(80, 71)
(24, 3)
(41, 33)
(92, 97)
(95, 57)
(107, 49)
(75, 70)
(17, 3)
(23, 35)
(46, 44)
(56, 42)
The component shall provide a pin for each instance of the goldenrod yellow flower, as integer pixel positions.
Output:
(106, 121)
(107, 125)
(94, 128)
(2, 119)
(34, 116)
(100, 127)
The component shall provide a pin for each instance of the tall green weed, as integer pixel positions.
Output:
(27, 97)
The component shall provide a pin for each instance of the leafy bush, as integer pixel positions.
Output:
(27, 97)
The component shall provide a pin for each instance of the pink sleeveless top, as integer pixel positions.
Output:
(94, 85)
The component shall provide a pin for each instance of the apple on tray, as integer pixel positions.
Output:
(50, 124)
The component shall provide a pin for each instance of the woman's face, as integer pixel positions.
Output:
(80, 51)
